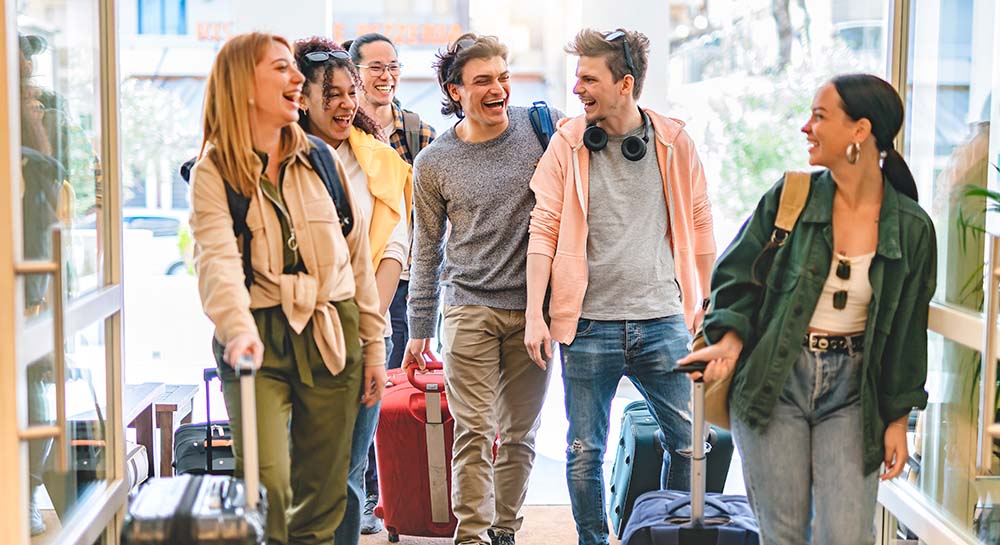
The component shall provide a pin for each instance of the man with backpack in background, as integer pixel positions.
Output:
(378, 62)
(475, 176)
(629, 273)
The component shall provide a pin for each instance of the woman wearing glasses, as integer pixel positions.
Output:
(829, 344)
(308, 314)
(382, 185)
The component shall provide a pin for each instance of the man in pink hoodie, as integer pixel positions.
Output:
(622, 234)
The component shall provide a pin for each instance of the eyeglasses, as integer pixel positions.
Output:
(318, 57)
(379, 69)
(843, 273)
(616, 34)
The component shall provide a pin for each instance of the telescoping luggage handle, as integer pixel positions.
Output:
(698, 464)
(247, 370)
(437, 465)
(433, 364)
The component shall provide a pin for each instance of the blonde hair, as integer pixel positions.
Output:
(227, 118)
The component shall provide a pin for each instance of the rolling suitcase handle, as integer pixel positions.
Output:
(698, 464)
(437, 464)
(433, 364)
(247, 370)
(248, 408)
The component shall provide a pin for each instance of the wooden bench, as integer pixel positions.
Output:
(175, 404)
(138, 402)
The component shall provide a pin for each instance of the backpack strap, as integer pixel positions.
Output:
(411, 132)
(541, 122)
(793, 200)
(794, 194)
(238, 207)
(324, 165)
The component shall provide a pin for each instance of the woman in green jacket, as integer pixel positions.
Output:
(382, 185)
(829, 344)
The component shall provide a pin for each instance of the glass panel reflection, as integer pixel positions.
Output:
(55, 496)
(61, 172)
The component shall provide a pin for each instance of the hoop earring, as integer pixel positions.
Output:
(853, 153)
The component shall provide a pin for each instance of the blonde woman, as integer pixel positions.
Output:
(309, 314)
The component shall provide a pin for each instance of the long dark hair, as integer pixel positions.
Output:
(872, 98)
(311, 71)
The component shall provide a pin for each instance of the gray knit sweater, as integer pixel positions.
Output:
(482, 190)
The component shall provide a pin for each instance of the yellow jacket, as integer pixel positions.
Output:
(390, 181)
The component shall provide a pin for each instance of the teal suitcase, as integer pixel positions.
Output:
(639, 461)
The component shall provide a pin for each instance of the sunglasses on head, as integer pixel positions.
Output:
(464, 43)
(620, 34)
(317, 57)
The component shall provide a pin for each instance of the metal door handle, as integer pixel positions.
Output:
(55, 268)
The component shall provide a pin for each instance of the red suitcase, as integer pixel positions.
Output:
(413, 446)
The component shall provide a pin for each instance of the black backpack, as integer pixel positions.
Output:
(322, 162)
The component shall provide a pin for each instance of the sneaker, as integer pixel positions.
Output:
(37, 523)
(370, 524)
(500, 537)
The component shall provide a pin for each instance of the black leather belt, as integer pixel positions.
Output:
(818, 342)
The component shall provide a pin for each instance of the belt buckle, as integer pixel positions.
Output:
(818, 343)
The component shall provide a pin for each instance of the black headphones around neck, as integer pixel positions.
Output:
(633, 147)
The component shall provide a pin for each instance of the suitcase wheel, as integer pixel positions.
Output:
(393, 536)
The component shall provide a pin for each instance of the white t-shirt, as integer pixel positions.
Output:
(397, 247)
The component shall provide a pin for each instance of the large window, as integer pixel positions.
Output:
(162, 16)
(742, 78)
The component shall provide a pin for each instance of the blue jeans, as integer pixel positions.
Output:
(603, 352)
(804, 472)
(349, 531)
(400, 327)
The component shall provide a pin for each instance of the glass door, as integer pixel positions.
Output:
(64, 297)
(945, 68)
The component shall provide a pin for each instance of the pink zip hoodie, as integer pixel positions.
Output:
(559, 227)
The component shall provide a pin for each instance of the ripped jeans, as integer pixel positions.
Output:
(602, 353)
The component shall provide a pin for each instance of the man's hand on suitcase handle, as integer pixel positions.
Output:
(721, 358)
(536, 335)
(374, 385)
(244, 343)
(414, 353)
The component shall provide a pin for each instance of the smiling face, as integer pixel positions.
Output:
(380, 89)
(830, 130)
(277, 88)
(601, 95)
(333, 122)
(484, 92)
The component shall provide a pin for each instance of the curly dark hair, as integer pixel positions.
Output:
(313, 71)
(450, 62)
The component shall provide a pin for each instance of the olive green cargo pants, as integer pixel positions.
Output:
(305, 420)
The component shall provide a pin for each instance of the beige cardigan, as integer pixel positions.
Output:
(338, 268)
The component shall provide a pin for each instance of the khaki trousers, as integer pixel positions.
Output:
(493, 388)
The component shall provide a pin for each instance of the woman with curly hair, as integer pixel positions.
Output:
(383, 186)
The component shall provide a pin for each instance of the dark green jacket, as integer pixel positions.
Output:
(772, 319)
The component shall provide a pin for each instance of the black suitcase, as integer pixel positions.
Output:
(639, 461)
(205, 509)
(669, 517)
(205, 447)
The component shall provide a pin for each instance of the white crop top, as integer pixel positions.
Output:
(854, 314)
